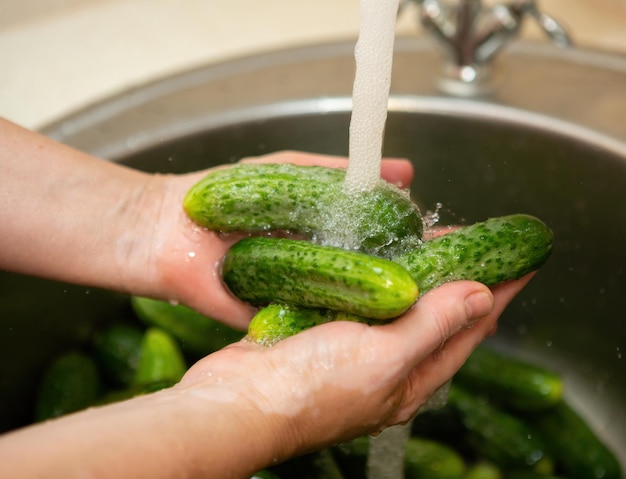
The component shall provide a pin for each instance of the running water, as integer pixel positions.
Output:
(370, 94)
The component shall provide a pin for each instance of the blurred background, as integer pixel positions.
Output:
(57, 56)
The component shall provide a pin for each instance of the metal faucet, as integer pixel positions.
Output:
(472, 34)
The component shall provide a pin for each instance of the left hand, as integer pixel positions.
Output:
(186, 259)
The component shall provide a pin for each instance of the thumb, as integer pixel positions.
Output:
(440, 314)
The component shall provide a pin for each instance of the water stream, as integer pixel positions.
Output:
(370, 96)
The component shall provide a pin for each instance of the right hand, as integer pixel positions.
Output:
(340, 380)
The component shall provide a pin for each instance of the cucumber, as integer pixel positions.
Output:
(483, 470)
(265, 474)
(351, 456)
(161, 359)
(276, 322)
(261, 274)
(424, 458)
(70, 383)
(576, 448)
(310, 200)
(492, 251)
(117, 349)
(517, 384)
(262, 270)
(197, 334)
(504, 439)
(531, 475)
(428, 459)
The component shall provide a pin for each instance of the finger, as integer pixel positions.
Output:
(398, 171)
(438, 315)
(441, 365)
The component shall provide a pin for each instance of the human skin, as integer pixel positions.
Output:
(69, 216)
(246, 407)
(72, 217)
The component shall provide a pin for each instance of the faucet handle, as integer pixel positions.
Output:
(472, 35)
(555, 31)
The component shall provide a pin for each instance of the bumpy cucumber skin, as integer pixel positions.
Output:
(262, 270)
(197, 334)
(517, 384)
(428, 459)
(276, 322)
(492, 251)
(574, 445)
(500, 437)
(310, 200)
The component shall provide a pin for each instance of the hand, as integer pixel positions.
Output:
(246, 407)
(186, 258)
(98, 223)
(341, 380)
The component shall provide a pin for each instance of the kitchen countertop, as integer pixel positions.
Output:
(58, 56)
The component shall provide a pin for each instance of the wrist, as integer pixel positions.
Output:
(235, 436)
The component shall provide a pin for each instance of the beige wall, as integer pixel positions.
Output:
(59, 55)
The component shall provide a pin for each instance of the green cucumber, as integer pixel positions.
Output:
(310, 200)
(352, 456)
(518, 384)
(161, 359)
(276, 322)
(265, 474)
(117, 349)
(262, 270)
(506, 440)
(574, 445)
(428, 459)
(70, 383)
(424, 458)
(196, 333)
(492, 251)
(483, 470)
(520, 243)
(531, 475)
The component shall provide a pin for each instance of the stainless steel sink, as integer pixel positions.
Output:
(550, 140)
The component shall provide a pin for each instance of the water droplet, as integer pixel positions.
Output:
(549, 343)
(191, 254)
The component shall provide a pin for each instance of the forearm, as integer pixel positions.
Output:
(65, 214)
(164, 435)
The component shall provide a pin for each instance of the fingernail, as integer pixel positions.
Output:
(479, 304)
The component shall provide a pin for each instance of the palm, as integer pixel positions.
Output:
(187, 258)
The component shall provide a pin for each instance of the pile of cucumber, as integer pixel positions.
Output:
(505, 419)
(357, 257)
(149, 350)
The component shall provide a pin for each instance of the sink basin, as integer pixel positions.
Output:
(549, 141)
